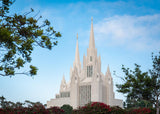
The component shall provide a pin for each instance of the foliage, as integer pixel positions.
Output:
(29, 107)
(67, 109)
(117, 110)
(136, 86)
(32, 110)
(155, 75)
(19, 35)
(2, 102)
(138, 103)
(93, 108)
(140, 111)
(142, 89)
(8, 107)
(55, 110)
(143, 103)
(4, 8)
(101, 108)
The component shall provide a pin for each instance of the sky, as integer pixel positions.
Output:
(126, 32)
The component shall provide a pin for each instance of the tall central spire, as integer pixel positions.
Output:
(77, 59)
(91, 41)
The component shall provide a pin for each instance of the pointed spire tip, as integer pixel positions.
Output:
(77, 59)
(108, 69)
(91, 42)
(77, 36)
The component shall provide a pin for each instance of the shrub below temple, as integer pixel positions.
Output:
(67, 109)
(141, 111)
(117, 110)
(101, 108)
(93, 108)
(32, 110)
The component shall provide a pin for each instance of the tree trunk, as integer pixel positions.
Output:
(157, 111)
(157, 105)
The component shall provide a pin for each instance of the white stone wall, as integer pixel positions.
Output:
(74, 95)
(104, 94)
(58, 102)
(117, 102)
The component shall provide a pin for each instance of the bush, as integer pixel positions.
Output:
(93, 108)
(140, 111)
(67, 109)
(117, 110)
(55, 110)
(32, 110)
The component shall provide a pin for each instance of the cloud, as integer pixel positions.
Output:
(132, 29)
(134, 32)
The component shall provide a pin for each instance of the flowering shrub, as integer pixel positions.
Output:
(55, 110)
(101, 108)
(93, 108)
(142, 111)
(117, 110)
(33, 110)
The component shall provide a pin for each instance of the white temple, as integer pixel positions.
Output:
(87, 84)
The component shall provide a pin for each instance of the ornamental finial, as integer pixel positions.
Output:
(77, 36)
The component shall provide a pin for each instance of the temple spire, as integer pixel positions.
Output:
(77, 59)
(108, 71)
(91, 42)
(77, 36)
(63, 80)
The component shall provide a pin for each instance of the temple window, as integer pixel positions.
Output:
(89, 71)
(90, 58)
(64, 94)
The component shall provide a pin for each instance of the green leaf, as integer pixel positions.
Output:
(20, 63)
(33, 70)
(58, 34)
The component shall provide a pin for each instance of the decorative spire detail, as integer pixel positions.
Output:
(91, 42)
(63, 80)
(108, 71)
(77, 58)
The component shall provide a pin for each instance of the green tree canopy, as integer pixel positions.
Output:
(142, 88)
(19, 34)
(155, 75)
(136, 86)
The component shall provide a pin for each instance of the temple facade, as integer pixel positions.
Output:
(87, 83)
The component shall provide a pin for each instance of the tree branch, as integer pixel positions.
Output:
(24, 73)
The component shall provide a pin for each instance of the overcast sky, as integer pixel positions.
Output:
(126, 32)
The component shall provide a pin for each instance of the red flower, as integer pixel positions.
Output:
(142, 111)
